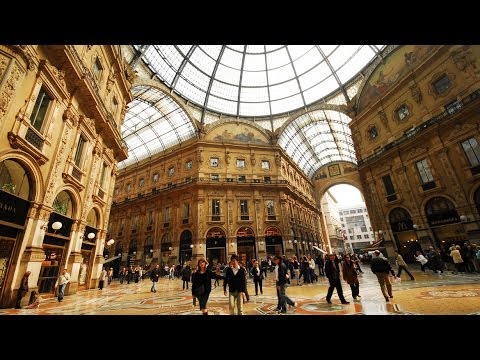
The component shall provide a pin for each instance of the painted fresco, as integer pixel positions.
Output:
(237, 133)
(396, 66)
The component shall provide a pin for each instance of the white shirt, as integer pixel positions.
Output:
(235, 270)
(276, 272)
(311, 264)
(64, 279)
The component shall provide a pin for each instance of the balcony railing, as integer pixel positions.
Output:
(451, 109)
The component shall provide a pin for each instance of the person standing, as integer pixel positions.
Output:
(422, 260)
(236, 279)
(22, 290)
(281, 277)
(186, 275)
(402, 265)
(351, 277)
(154, 276)
(332, 272)
(257, 277)
(102, 278)
(110, 275)
(62, 282)
(202, 285)
(457, 259)
(381, 268)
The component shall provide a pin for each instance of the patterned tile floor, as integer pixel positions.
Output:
(429, 294)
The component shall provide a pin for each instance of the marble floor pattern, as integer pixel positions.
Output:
(429, 294)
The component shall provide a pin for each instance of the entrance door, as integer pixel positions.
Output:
(216, 255)
(6, 249)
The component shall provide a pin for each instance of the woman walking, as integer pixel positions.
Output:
(202, 285)
(350, 276)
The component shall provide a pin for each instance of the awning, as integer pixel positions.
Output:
(112, 258)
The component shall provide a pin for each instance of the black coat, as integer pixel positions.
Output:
(257, 273)
(282, 274)
(332, 274)
(199, 279)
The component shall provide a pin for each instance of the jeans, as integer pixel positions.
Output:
(402, 267)
(283, 299)
(61, 291)
(153, 289)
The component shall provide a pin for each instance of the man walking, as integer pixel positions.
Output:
(381, 267)
(402, 265)
(332, 272)
(236, 279)
(154, 276)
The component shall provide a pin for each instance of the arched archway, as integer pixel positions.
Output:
(16, 194)
(56, 241)
(166, 249)
(132, 252)
(443, 218)
(273, 241)
(216, 246)
(185, 246)
(404, 234)
(147, 251)
(246, 247)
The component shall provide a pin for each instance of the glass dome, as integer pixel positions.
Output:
(256, 80)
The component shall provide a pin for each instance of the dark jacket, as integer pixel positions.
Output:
(282, 274)
(257, 273)
(379, 265)
(235, 282)
(199, 279)
(155, 274)
(186, 273)
(333, 274)
(349, 273)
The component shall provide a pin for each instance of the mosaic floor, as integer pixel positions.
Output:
(429, 294)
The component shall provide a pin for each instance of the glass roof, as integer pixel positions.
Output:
(317, 138)
(256, 80)
(153, 123)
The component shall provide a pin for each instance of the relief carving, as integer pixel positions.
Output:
(416, 93)
(111, 81)
(59, 159)
(465, 61)
(6, 93)
(383, 118)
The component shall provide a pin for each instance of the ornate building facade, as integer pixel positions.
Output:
(231, 191)
(416, 132)
(61, 108)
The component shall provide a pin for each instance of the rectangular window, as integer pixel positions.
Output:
(79, 152)
(265, 164)
(167, 215)
(241, 178)
(97, 68)
(442, 84)
(186, 210)
(155, 177)
(267, 179)
(240, 163)
(215, 177)
(366, 236)
(103, 176)
(359, 237)
(390, 190)
(351, 237)
(40, 109)
(363, 229)
(150, 217)
(424, 171)
(472, 151)
(214, 162)
(244, 210)
(114, 105)
(215, 210)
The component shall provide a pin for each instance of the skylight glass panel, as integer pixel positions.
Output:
(280, 74)
(258, 49)
(254, 94)
(254, 78)
(273, 47)
(277, 58)
(228, 75)
(232, 59)
(342, 55)
(352, 67)
(225, 91)
(254, 62)
(328, 49)
(189, 91)
(284, 90)
(308, 61)
(290, 103)
(315, 76)
(223, 106)
(202, 61)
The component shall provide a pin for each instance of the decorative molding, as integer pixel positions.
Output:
(18, 142)
(465, 61)
(69, 179)
(59, 159)
(56, 77)
(460, 128)
(415, 151)
(383, 118)
(416, 93)
(11, 72)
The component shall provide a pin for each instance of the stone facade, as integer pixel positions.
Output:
(61, 108)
